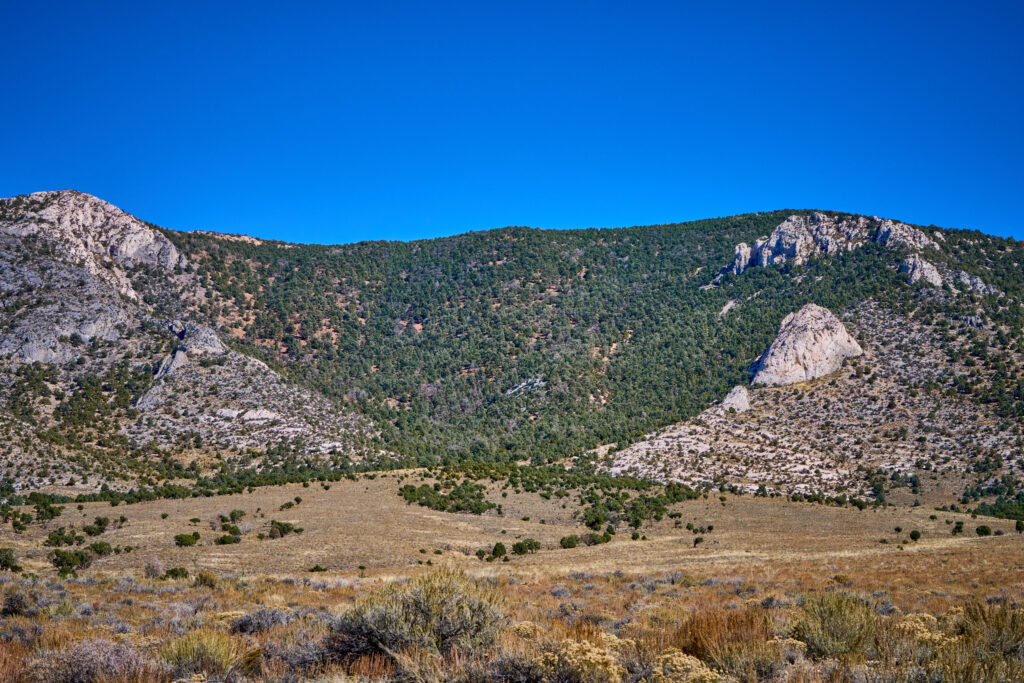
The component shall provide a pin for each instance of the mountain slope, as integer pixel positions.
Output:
(152, 351)
(888, 413)
(527, 343)
(107, 382)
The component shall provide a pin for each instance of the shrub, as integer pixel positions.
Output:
(94, 660)
(100, 548)
(67, 561)
(62, 537)
(499, 549)
(983, 530)
(997, 628)
(154, 569)
(735, 641)
(203, 651)
(228, 539)
(437, 612)
(261, 620)
(527, 545)
(836, 625)
(176, 573)
(915, 535)
(98, 526)
(569, 541)
(16, 604)
(185, 540)
(205, 579)
(581, 662)
(8, 562)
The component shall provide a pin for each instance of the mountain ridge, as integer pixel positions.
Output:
(492, 345)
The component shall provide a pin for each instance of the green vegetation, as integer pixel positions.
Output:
(185, 540)
(439, 612)
(522, 343)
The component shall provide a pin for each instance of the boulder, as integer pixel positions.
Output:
(811, 343)
(737, 399)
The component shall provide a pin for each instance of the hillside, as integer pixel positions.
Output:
(176, 348)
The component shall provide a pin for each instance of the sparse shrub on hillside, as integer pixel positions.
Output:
(437, 612)
(16, 604)
(8, 562)
(154, 569)
(68, 561)
(185, 540)
(94, 660)
(205, 579)
(98, 526)
(63, 537)
(261, 620)
(569, 541)
(100, 548)
(836, 626)
(527, 545)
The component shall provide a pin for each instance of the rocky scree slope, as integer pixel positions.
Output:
(99, 376)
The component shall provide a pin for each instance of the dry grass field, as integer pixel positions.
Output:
(608, 612)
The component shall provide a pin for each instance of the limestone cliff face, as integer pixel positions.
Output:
(811, 343)
(798, 238)
(89, 289)
(917, 268)
(89, 232)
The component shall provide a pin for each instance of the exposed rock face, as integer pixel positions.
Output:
(893, 234)
(737, 399)
(91, 233)
(798, 238)
(976, 284)
(811, 343)
(918, 268)
(780, 442)
(741, 258)
(92, 292)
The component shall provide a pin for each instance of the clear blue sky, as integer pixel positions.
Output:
(376, 120)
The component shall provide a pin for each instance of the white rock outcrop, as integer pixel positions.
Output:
(737, 399)
(88, 231)
(917, 268)
(799, 237)
(811, 343)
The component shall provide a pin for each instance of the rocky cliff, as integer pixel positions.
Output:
(886, 410)
(800, 237)
(101, 347)
(811, 343)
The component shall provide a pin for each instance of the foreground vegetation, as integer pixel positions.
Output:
(447, 626)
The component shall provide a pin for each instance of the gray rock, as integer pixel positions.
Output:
(798, 238)
(811, 343)
(91, 233)
(918, 269)
(737, 399)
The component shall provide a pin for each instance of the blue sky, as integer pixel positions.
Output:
(375, 120)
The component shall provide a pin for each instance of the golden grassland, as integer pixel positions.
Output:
(606, 612)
